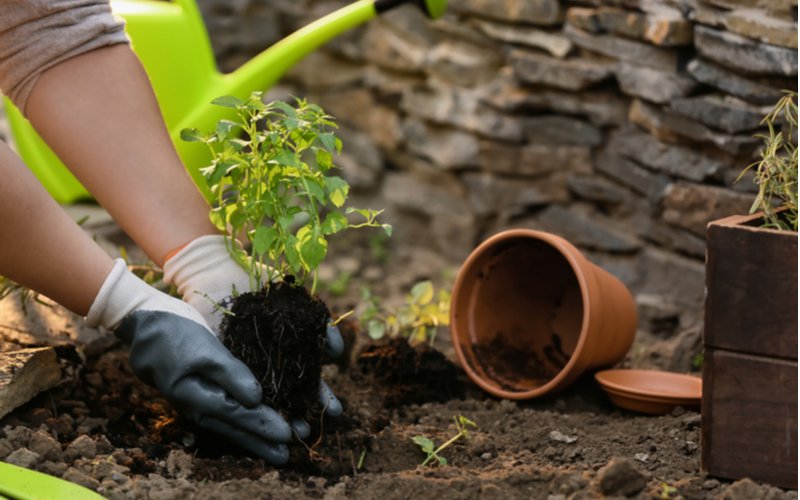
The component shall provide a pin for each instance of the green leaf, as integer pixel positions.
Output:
(424, 443)
(376, 329)
(224, 128)
(313, 250)
(333, 223)
(324, 159)
(442, 460)
(237, 219)
(337, 190)
(293, 254)
(387, 228)
(422, 293)
(287, 109)
(316, 190)
(285, 221)
(263, 238)
(228, 101)
(328, 141)
(192, 135)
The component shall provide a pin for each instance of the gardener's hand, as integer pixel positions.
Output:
(173, 350)
(206, 275)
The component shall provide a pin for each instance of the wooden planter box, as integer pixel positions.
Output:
(750, 362)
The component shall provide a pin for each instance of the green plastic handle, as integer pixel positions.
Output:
(18, 483)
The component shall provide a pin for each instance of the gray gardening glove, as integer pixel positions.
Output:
(206, 274)
(173, 350)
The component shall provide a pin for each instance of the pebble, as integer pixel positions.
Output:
(73, 475)
(710, 484)
(19, 436)
(621, 477)
(562, 438)
(47, 447)
(88, 424)
(179, 464)
(23, 457)
(641, 457)
(692, 421)
(82, 446)
(56, 469)
(5, 448)
(486, 456)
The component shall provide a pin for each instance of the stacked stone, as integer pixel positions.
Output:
(619, 124)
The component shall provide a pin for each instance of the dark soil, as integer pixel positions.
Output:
(104, 429)
(279, 333)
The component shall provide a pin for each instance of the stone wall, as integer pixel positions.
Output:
(618, 124)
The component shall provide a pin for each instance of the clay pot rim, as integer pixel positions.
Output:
(575, 260)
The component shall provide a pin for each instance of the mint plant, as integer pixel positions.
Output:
(428, 447)
(271, 183)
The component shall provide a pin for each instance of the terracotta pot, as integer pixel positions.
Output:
(529, 314)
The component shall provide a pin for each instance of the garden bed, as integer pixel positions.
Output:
(104, 429)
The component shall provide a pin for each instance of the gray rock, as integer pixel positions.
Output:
(621, 477)
(56, 469)
(657, 231)
(569, 74)
(73, 475)
(596, 189)
(19, 436)
(723, 113)
(660, 25)
(25, 373)
(652, 84)
(389, 48)
(47, 447)
(381, 124)
(418, 194)
(747, 489)
(538, 12)
(670, 126)
(693, 206)
(628, 173)
(671, 159)
(666, 26)
(444, 146)
(657, 315)
(586, 229)
(560, 437)
(461, 108)
(533, 159)
(631, 51)
(555, 44)
(783, 8)
(82, 447)
(489, 194)
(600, 107)
(361, 161)
(680, 279)
(179, 464)
(716, 76)
(559, 129)
(5, 448)
(738, 52)
(23, 457)
(323, 70)
(757, 24)
(462, 63)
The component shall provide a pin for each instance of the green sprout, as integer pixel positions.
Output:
(419, 318)
(428, 447)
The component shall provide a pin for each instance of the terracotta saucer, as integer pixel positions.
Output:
(651, 391)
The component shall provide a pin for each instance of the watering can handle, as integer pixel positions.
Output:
(432, 8)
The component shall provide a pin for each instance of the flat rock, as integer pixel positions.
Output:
(82, 447)
(723, 113)
(784, 8)
(596, 189)
(537, 12)
(670, 126)
(533, 159)
(560, 129)
(460, 108)
(555, 44)
(738, 52)
(23, 457)
(630, 174)
(662, 25)
(759, 25)
(443, 146)
(568, 74)
(381, 124)
(600, 107)
(462, 63)
(389, 48)
(671, 159)
(490, 194)
(409, 192)
(652, 84)
(24, 374)
(635, 52)
(584, 228)
(707, 72)
(46, 446)
(693, 206)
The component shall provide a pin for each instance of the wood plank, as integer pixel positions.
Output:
(751, 279)
(750, 417)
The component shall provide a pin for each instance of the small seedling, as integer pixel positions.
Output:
(668, 491)
(428, 447)
(419, 319)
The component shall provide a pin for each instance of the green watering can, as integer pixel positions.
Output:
(171, 40)
(17, 483)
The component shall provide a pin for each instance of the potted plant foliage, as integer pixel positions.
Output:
(272, 188)
(750, 338)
